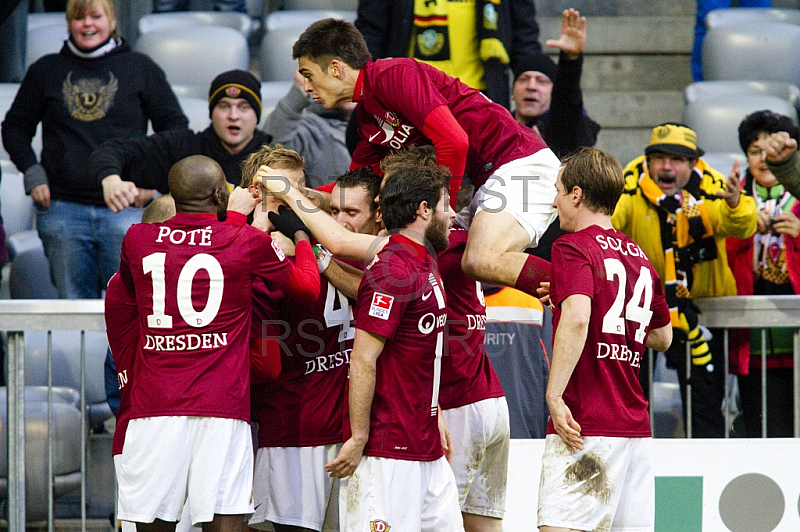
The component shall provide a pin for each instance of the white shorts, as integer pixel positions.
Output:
(403, 495)
(169, 460)
(481, 434)
(525, 189)
(291, 487)
(609, 485)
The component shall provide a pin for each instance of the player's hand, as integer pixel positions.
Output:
(41, 195)
(273, 181)
(573, 34)
(347, 460)
(732, 191)
(144, 197)
(241, 201)
(778, 147)
(543, 292)
(786, 223)
(117, 193)
(764, 222)
(444, 434)
(566, 427)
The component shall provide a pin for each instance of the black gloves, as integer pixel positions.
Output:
(287, 222)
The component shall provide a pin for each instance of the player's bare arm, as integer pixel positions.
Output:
(344, 277)
(327, 231)
(367, 347)
(576, 310)
(660, 339)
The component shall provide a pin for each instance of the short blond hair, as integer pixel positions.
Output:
(75, 8)
(275, 156)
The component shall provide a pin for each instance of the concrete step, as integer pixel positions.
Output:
(634, 109)
(646, 72)
(616, 7)
(624, 143)
(663, 34)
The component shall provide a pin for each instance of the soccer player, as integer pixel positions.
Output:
(609, 306)
(191, 277)
(404, 102)
(396, 444)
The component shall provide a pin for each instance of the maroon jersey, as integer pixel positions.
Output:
(122, 326)
(304, 406)
(396, 95)
(467, 374)
(192, 277)
(604, 393)
(401, 299)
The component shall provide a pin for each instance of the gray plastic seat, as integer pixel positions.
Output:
(29, 276)
(271, 94)
(44, 39)
(711, 89)
(196, 110)
(67, 368)
(716, 121)
(8, 91)
(38, 20)
(66, 447)
(15, 207)
(229, 19)
(751, 16)
(282, 28)
(194, 55)
(764, 51)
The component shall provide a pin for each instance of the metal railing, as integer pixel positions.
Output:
(17, 316)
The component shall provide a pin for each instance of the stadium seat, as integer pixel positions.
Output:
(8, 91)
(66, 447)
(16, 208)
(67, 368)
(29, 276)
(44, 39)
(340, 5)
(271, 93)
(751, 16)
(711, 89)
(38, 20)
(196, 110)
(282, 28)
(158, 21)
(765, 52)
(716, 121)
(195, 55)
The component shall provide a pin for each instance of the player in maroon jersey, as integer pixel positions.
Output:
(609, 306)
(396, 445)
(471, 396)
(191, 278)
(403, 102)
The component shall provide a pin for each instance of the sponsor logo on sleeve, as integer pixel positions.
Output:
(381, 306)
(278, 251)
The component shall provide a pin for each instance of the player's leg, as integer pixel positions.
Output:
(481, 523)
(225, 523)
(512, 211)
(156, 526)
(290, 528)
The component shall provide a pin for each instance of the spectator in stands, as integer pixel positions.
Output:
(317, 134)
(680, 211)
(95, 89)
(234, 102)
(767, 264)
(13, 23)
(165, 6)
(703, 8)
(548, 97)
(476, 42)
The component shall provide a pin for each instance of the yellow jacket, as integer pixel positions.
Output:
(637, 218)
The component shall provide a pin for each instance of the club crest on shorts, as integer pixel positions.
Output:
(381, 306)
(379, 525)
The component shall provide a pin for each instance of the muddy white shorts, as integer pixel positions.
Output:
(609, 485)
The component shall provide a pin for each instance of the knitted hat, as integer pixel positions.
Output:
(236, 84)
(536, 62)
(674, 139)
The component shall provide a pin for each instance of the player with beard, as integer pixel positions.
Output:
(609, 306)
(191, 278)
(396, 445)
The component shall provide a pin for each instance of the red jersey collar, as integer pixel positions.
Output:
(358, 90)
(417, 250)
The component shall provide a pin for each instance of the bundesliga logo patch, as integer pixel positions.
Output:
(381, 307)
(379, 525)
(278, 251)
